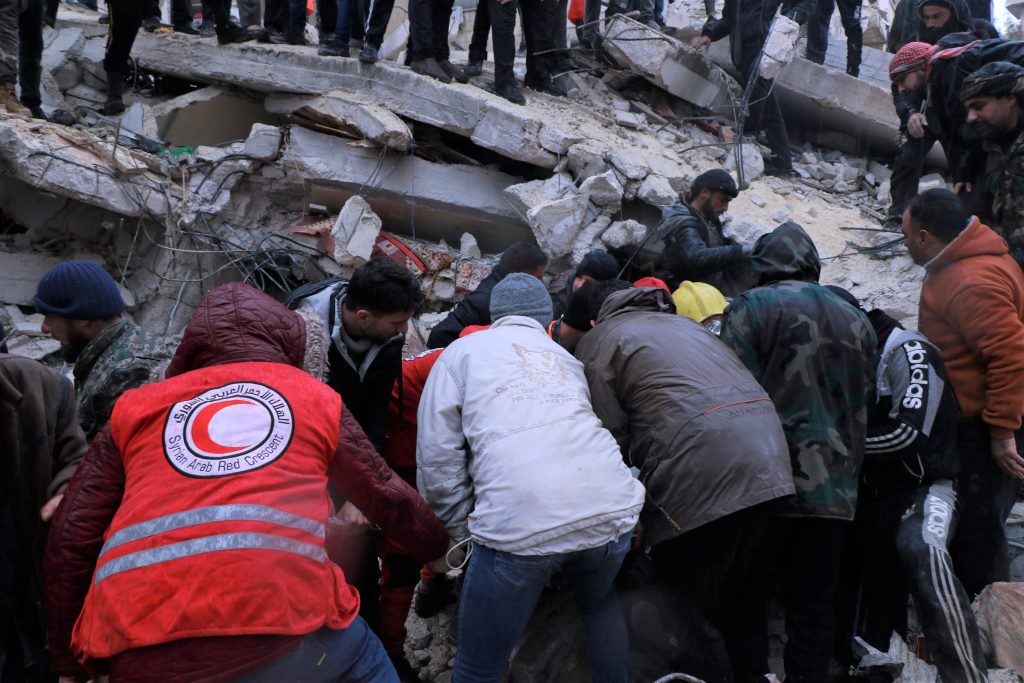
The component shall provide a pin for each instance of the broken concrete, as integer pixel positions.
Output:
(780, 46)
(20, 272)
(345, 111)
(656, 191)
(355, 233)
(263, 142)
(555, 224)
(604, 189)
(525, 196)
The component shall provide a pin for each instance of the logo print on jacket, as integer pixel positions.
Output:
(228, 430)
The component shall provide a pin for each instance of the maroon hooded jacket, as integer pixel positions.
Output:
(235, 323)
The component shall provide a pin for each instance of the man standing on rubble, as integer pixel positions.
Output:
(10, 13)
(817, 32)
(747, 23)
(932, 20)
(994, 97)
(972, 309)
(668, 391)
(907, 505)
(475, 309)
(814, 354)
(84, 311)
(511, 457)
(695, 248)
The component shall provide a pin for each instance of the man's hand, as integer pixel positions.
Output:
(349, 521)
(916, 124)
(702, 42)
(1004, 451)
(962, 186)
(48, 510)
(452, 559)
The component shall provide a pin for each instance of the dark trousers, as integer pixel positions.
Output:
(981, 554)
(804, 554)
(181, 11)
(906, 171)
(296, 25)
(817, 32)
(481, 29)
(704, 566)
(765, 112)
(30, 52)
(275, 15)
(125, 20)
(428, 28)
(377, 23)
(539, 19)
(900, 547)
(500, 20)
(327, 11)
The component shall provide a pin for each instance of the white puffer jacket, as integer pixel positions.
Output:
(507, 440)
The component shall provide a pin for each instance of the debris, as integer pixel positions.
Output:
(525, 196)
(624, 233)
(656, 191)
(468, 246)
(780, 46)
(555, 224)
(21, 271)
(345, 111)
(604, 189)
(932, 181)
(355, 233)
(630, 120)
(263, 142)
(757, 200)
(1000, 613)
(753, 162)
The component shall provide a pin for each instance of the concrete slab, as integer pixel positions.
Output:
(344, 109)
(436, 201)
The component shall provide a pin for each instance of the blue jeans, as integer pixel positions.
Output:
(501, 590)
(351, 655)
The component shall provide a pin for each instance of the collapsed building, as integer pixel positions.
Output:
(273, 165)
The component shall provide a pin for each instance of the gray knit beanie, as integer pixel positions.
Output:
(521, 294)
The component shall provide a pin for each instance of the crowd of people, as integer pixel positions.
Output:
(261, 505)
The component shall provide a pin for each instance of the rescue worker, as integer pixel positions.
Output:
(928, 22)
(712, 473)
(993, 96)
(41, 444)
(907, 505)
(596, 264)
(83, 310)
(190, 544)
(972, 309)
(747, 23)
(702, 303)
(814, 354)
(474, 309)
(695, 248)
(544, 488)
(817, 32)
(10, 41)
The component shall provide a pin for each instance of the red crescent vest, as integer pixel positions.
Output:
(221, 528)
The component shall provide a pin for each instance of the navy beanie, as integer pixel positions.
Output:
(80, 290)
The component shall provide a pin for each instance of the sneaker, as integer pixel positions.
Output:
(187, 28)
(150, 24)
(545, 84)
(333, 51)
(325, 38)
(207, 28)
(37, 112)
(369, 54)
(233, 33)
(433, 596)
(430, 67)
(113, 105)
(510, 92)
(287, 39)
(473, 68)
(454, 72)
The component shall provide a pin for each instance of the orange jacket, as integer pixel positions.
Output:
(972, 308)
(221, 528)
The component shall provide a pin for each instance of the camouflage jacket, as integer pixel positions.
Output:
(1004, 181)
(119, 358)
(815, 355)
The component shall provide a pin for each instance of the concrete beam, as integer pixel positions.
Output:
(436, 201)
(343, 110)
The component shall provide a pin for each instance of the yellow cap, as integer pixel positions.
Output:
(698, 300)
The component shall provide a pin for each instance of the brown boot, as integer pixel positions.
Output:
(10, 103)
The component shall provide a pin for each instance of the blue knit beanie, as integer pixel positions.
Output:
(80, 290)
(521, 294)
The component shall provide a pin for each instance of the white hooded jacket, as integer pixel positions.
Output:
(507, 440)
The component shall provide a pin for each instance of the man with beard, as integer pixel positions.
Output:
(695, 248)
(932, 21)
(84, 311)
(992, 95)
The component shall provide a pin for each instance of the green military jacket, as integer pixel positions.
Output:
(119, 358)
(1004, 179)
(815, 355)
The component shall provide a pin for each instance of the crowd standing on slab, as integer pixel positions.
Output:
(270, 500)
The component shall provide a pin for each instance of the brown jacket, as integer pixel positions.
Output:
(40, 446)
(972, 308)
(685, 411)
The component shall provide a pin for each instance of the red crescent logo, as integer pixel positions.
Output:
(201, 427)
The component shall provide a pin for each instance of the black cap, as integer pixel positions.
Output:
(599, 265)
(577, 313)
(715, 180)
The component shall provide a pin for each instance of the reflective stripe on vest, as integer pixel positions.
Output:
(206, 515)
